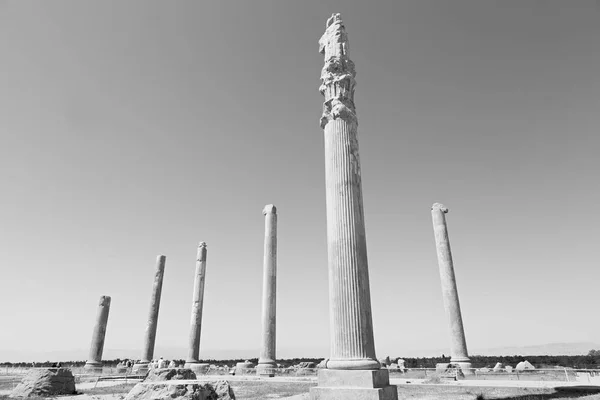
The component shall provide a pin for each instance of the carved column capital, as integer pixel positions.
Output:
(337, 75)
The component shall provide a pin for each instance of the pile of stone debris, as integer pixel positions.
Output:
(159, 384)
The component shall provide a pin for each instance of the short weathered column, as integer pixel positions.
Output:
(458, 343)
(267, 361)
(94, 362)
(152, 324)
(193, 360)
(353, 371)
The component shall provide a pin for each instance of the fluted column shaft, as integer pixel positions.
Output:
(99, 334)
(267, 355)
(458, 343)
(151, 326)
(352, 343)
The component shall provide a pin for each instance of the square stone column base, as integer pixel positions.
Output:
(354, 384)
(266, 370)
(465, 367)
(93, 367)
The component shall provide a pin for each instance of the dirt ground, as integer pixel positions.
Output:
(280, 389)
(431, 392)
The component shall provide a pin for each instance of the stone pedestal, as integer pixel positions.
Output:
(94, 362)
(267, 361)
(358, 384)
(196, 323)
(458, 343)
(150, 334)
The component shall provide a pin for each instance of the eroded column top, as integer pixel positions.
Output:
(104, 301)
(269, 209)
(334, 42)
(201, 255)
(440, 207)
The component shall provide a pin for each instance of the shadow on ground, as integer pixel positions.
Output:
(561, 392)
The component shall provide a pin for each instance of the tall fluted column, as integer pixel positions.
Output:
(267, 361)
(151, 326)
(353, 371)
(352, 344)
(458, 343)
(193, 360)
(94, 362)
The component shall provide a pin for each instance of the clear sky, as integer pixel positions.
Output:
(138, 128)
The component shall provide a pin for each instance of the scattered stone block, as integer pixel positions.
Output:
(45, 382)
(307, 364)
(524, 366)
(245, 367)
